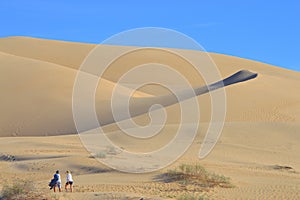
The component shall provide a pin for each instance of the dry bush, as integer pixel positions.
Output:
(197, 175)
(19, 190)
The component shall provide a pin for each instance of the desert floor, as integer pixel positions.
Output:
(251, 164)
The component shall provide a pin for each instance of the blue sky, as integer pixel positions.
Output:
(267, 31)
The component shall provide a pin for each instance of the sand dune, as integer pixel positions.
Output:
(41, 89)
(58, 52)
(258, 149)
(36, 73)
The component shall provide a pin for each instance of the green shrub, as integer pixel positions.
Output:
(196, 174)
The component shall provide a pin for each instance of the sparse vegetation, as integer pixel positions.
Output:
(100, 155)
(7, 157)
(19, 190)
(109, 151)
(197, 175)
(191, 197)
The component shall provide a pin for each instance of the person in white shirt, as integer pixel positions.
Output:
(69, 181)
(58, 181)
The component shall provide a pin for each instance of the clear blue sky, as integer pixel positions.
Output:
(267, 31)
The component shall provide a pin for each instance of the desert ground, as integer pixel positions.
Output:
(258, 149)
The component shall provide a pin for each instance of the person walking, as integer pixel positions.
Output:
(69, 181)
(57, 181)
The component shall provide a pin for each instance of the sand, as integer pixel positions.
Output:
(38, 134)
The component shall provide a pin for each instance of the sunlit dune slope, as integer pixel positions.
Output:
(37, 79)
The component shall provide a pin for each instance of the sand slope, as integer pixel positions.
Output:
(37, 80)
(37, 97)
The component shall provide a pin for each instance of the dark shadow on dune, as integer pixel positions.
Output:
(240, 76)
(22, 166)
(283, 168)
(25, 158)
(82, 169)
(139, 106)
(12, 158)
(163, 178)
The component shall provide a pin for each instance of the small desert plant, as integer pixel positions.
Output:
(100, 155)
(109, 151)
(198, 175)
(20, 189)
(191, 197)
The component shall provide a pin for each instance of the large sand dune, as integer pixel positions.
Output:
(37, 79)
(260, 136)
